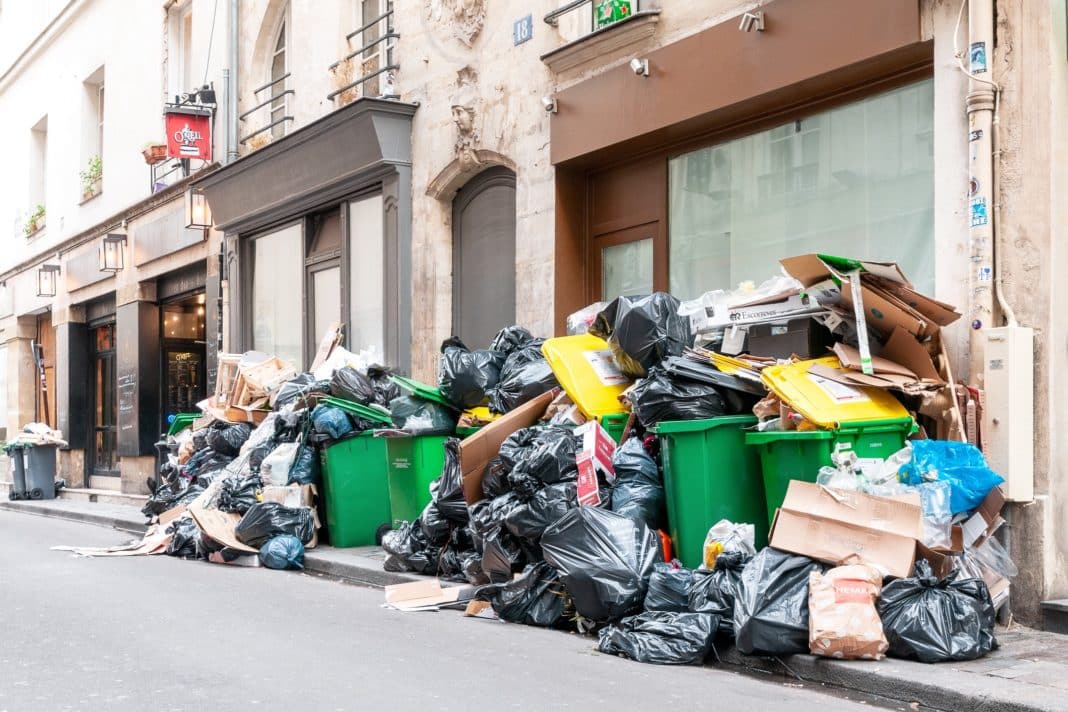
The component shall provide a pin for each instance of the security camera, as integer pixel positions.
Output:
(550, 104)
(752, 21)
(640, 67)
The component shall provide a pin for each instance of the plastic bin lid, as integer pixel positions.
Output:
(669, 427)
(758, 437)
(376, 414)
(827, 403)
(587, 371)
(422, 390)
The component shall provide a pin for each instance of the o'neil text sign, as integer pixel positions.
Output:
(188, 135)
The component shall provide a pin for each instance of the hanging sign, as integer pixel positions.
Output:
(188, 135)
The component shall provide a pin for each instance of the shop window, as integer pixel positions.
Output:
(857, 181)
(366, 274)
(277, 273)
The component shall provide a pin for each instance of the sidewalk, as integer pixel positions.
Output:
(1029, 673)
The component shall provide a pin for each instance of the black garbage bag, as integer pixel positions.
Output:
(550, 459)
(332, 422)
(298, 388)
(434, 526)
(227, 438)
(466, 377)
(385, 389)
(502, 554)
(495, 478)
(189, 494)
(200, 440)
(937, 620)
(538, 598)
(516, 445)
(714, 591)
(643, 332)
(239, 494)
(471, 562)
(771, 604)
(270, 519)
(407, 550)
(669, 588)
(185, 539)
(210, 462)
(511, 338)
(661, 637)
(447, 492)
(638, 491)
(605, 560)
(351, 385)
(660, 397)
(530, 519)
(163, 498)
(422, 417)
(306, 469)
(283, 552)
(521, 381)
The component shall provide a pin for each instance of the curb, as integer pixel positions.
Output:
(132, 526)
(933, 687)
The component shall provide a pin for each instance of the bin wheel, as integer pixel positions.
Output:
(36, 493)
(13, 495)
(381, 532)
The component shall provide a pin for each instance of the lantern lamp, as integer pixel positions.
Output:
(197, 210)
(112, 249)
(47, 275)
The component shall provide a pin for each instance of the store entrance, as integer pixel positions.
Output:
(182, 347)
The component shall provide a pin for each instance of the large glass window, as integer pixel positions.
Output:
(856, 181)
(277, 276)
(366, 272)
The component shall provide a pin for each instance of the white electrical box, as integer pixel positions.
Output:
(1008, 411)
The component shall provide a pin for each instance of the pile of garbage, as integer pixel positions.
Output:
(552, 522)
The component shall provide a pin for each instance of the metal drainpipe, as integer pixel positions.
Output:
(231, 104)
(981, 105)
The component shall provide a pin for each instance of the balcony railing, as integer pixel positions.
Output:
(584, 9)
(278, 101)
(372, 61)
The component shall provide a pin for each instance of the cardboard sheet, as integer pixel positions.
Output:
(426, 595)
(477, 450)
(219, 526)
(835, 526)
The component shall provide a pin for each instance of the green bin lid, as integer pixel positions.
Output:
(375, 413)
(669, 427)
(771, 436)
(423, 391)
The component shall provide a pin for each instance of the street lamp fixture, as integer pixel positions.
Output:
(112, 253)
(47, 276)
(197, 210)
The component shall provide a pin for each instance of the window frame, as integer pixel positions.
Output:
(279, 103)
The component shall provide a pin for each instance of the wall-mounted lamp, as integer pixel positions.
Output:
(47, 276)
(640, 67)
(112, 253)
(549, 102)
(197, 210)
(752, 21)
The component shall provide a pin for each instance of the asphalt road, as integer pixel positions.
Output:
(157, 633)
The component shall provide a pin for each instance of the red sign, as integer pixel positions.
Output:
(188, 135)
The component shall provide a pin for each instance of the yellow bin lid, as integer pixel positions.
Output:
(587, 372)
(828, 403)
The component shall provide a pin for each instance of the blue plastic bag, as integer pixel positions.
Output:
(283, 552)
(330, 421)
(962, 465)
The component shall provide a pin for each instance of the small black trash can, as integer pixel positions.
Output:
(40, 464)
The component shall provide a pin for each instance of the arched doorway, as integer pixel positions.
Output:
(483, 256)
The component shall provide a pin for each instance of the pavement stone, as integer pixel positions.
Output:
(1028, 673)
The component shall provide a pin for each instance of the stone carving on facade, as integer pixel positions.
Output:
(464, 17)
(464, 117)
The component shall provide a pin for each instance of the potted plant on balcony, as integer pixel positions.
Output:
(35, 221)
(154, 152)
(92, 177)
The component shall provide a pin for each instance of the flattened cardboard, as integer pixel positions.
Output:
(171, 514)
(834, 525)
(424, 595)
(850, 359)
(903, 348)
(219, 526)
(477, 450)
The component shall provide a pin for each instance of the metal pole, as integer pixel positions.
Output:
(231, 89)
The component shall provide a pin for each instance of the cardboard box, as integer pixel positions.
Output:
(593, 458)
(477, 450)
(888, 298)
(777, 308)
(804, 337)
(835, 526)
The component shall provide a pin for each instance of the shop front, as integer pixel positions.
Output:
(318, 233)
(741, 148)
